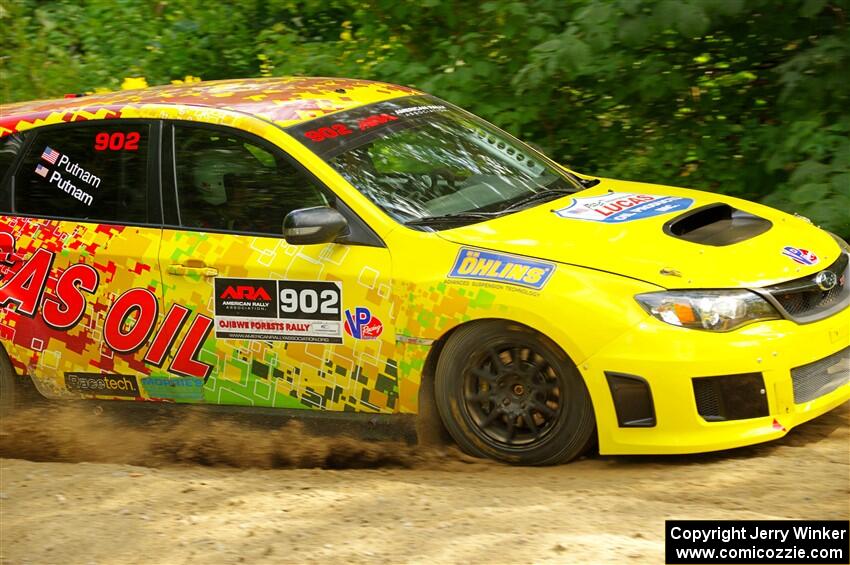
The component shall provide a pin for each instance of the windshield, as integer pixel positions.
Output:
(421, 159)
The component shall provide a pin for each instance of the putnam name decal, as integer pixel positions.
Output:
(501, 267)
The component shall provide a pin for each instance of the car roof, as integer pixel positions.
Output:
(284, 101)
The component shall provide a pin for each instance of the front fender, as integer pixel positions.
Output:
(581, 310)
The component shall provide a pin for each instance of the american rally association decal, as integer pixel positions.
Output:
(278, 310)
(618, 207)
(801, 256)
(500, 267)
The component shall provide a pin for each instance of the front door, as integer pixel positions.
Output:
(289, 326)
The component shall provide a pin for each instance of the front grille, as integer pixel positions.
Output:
(821, 377)
(804, 301)
(730, 397)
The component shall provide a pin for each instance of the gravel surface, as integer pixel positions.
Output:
(102, 492)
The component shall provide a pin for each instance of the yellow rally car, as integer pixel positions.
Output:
(353, 246)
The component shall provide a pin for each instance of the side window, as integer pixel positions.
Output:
(96, 171)
(228, 181)
(10, 146)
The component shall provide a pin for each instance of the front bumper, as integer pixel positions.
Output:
(668, 358)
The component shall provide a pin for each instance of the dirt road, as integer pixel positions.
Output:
(410, 507)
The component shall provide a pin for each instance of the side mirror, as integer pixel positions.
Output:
(308, 226)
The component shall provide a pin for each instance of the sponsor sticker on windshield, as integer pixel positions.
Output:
(331, 135)
(482, 265)
(619, 207)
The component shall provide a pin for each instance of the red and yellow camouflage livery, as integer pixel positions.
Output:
(354, 246)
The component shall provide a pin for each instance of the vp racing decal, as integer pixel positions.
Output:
(361, 324)
(278, 310)
(491, 266)
(618, 207)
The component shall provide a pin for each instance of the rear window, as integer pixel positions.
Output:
(86, 172)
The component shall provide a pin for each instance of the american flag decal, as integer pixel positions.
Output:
(50, 155)
(41, 170)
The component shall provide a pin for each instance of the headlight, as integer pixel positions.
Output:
(845, 247)
(715, 310)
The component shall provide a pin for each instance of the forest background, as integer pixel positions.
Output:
(743, 97)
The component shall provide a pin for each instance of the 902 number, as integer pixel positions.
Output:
(309, 301)
(117, 141)
(321, 134)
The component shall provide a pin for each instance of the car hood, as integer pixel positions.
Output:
(671, 237)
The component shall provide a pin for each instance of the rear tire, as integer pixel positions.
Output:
(509, 393)
(7, 386)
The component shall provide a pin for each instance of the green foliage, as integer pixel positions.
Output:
(747, 98)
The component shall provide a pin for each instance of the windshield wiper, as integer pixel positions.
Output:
(457, 216)
(588, 183)
(542, 196)
(548, 194)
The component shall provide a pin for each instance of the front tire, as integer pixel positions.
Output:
(508, 393)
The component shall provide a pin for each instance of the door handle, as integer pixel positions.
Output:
(197, 270)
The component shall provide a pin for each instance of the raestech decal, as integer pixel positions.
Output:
(102, 385)
(802, 256)
(500, 267)
(174, 388)
(278, 310)
(361, 324)
(618, 207)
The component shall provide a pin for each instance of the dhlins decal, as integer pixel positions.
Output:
(618, 207)
(482, 265)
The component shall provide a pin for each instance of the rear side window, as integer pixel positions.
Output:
(86, 172)
(10, 147)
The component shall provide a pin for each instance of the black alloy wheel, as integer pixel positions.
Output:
(509, 393)
(512, 394)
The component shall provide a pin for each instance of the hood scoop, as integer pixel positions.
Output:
(716, 224)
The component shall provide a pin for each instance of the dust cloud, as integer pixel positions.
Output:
(75, 434)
